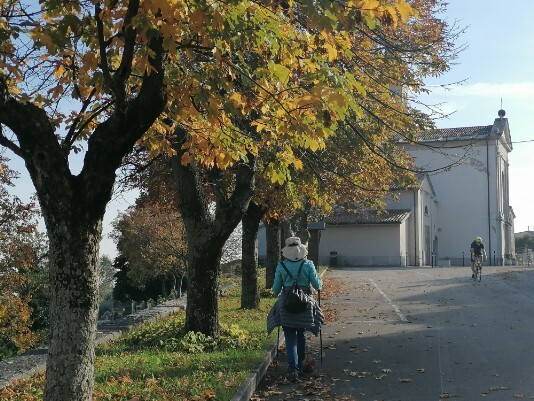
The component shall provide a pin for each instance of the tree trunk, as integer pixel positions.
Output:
(302, 231)
(202, 283)
(313, 247)
(273, 239)
(287, 231)
(163, 289)
(207, 232)
(179, 287)
(250, 295)
(74, 250)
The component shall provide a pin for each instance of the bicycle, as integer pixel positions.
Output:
(478, 268)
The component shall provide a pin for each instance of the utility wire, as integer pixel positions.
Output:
(530, 140)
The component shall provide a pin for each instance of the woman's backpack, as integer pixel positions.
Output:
(295, 300)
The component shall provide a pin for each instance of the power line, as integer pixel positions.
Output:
(530, 140)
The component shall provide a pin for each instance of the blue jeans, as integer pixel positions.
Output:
(295, 347)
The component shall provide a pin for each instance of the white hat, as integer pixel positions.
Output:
(294, 250)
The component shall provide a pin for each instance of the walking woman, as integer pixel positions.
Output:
(295, 267)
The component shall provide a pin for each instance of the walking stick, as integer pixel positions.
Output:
(276, 352)
(320, 334)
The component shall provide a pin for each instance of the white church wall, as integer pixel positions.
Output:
(419, 229)
(362, 244)
(462, 191)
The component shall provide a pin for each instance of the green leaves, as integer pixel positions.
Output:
(280, 72)
(168, 334)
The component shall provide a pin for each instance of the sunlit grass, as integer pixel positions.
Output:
(123, 373)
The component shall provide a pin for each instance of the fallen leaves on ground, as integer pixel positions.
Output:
(332, 286)
(316, 388)
(499, 388)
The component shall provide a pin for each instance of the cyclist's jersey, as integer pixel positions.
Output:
(477, 248)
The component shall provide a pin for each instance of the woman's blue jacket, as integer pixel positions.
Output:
(308, 275)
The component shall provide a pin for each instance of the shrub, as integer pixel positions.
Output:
(7, 347)
(168, 333)
(154, 334)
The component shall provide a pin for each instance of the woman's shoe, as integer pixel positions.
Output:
(292, 376)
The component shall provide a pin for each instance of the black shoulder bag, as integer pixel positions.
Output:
(295, 300)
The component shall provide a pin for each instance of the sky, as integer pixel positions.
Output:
(497, 65)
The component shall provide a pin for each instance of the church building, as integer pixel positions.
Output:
(462, 194)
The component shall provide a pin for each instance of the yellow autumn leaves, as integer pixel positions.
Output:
(287, 72)
(374, 9)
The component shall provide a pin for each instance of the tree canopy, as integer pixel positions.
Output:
(152, 239)
(230, 79)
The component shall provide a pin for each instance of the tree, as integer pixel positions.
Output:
(524, 245)
(114, 72)
(359, 163)
(106, 275)
(126, 292)
(38, 286)
(526, 242)
(332, 63)
(207, 232)
(18, 222)
(280, 91)
(151, 237)
(237, 76)
(250, 295)
(106, 278)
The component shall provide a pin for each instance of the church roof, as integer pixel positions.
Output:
(341, 216)
(499, 130)
(459, 133)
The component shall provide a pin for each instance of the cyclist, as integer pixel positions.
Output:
(477, 249)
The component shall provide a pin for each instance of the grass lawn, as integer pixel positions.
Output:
(156, 362)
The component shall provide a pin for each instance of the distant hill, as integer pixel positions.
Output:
(524, 234)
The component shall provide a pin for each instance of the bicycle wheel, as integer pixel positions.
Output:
(479, 269)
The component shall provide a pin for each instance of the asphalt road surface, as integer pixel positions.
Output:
(422, 334)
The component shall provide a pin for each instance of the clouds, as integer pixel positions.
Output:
(478, 103)
(516, 90)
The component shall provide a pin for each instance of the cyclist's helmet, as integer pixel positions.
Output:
(478, 240)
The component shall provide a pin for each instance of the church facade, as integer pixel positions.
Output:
(462, 194)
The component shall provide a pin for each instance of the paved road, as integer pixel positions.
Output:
(427, 334)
